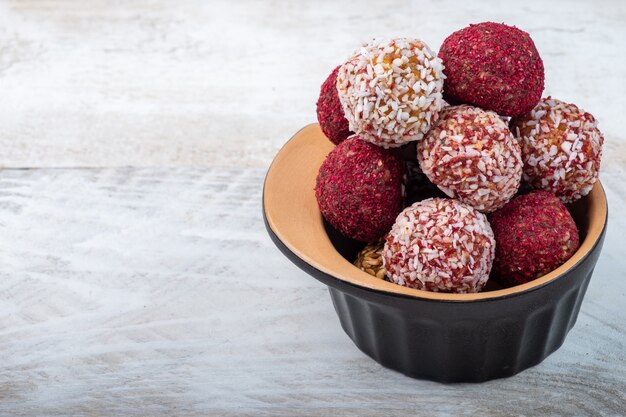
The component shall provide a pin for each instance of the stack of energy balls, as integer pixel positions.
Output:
(452, 213)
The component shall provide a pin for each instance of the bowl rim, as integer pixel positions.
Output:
(295, 224)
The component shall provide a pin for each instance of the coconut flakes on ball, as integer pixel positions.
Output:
(440, 245)
(391, 91)
(561, 148)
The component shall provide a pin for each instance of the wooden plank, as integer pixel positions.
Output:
(157, 292)
(158, 83)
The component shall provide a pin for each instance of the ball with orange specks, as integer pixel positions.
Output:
(561, 148)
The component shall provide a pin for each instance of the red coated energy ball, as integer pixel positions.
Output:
(561, 148)
(330, 113)
(440, 245)
(493, 66)
(359, 189)
(471, 155)
(535, 234)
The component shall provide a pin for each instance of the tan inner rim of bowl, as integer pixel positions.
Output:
(293, 215)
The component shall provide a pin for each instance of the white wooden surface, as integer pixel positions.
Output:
(136, 276)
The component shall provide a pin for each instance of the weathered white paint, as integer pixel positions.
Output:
(157, 292)
(171, 83)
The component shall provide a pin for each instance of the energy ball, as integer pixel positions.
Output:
(391, 92)
(440, 245)
(360, 189)
(561, 148)
(493, 66)
(535, 234)
(471, 155)
(330, 113)
(370, 260)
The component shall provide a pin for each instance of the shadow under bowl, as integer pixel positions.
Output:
(438, 336)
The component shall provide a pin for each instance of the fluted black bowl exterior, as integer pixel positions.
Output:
(449, 341)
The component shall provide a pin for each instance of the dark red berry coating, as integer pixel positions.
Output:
(535, 234)
(493, 66)
(359, 189)
(330, 113)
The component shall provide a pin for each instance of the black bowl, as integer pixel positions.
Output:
(436, 336)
